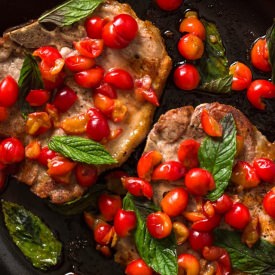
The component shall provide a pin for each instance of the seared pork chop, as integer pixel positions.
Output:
(185, 123)
(145, 56)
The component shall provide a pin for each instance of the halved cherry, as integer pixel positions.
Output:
(207, 224)
(37, 97)
(77, 63)
(38, 123)
(147, 95)
(107, 90)
(104, 103)
(242, 76)
(59, 166)
(45, 155)
(74, 125)
(170, 170)
(138, 187)
(188, 264)
(86, 175)
(147, 162)
(88, 47)
(33, 150)
(103, 232)
(244, 175)
(188, 153)
(124, 222)
(210, 125)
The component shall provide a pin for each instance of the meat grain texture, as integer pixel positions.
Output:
(184, 123)
(145, 56)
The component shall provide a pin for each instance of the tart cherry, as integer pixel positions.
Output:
(138, 267)
(109, 205)
(8, 91)
(11, 151)
(269, 203)
(124, 222)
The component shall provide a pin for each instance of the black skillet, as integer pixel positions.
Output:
(240, 23)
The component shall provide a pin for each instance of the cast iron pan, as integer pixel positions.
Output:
(240, 23)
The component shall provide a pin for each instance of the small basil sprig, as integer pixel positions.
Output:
(159, 254)
(270, 38)
(30, 78)
(32, 236)
(81, 150)
(213, 66)
(217, 156)
(260, 259)
(69, 12)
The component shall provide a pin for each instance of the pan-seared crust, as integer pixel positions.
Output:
(183, 123)
(146, 55)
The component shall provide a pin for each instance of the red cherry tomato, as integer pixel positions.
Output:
(198, 240)
(147, 162)
(107, 90)
(174, 202)
(3, 113)
(88, 47)
(102, 233)
(188, 153)
(199, 181)
(120, 32)
(97, 126)
(259, 55)
(245, 175)
(45, 155)
(188, 264)
(64, 99)
(77, 63)
(170, 170)
(186, 77)
(242, 76)
(108, 206)
(193, 25)
(86, 175)
(210, 125)
(223, 204)
(191, 47)
(89, 78)
(259, 89)
(159, 225)
(269, 203)
(265, 169)
(119, 79)
(94, 27)
(37, 97)
(169, 5)
(8, 91)
(238, 216)
(11, 151)
(59, 166)
(137, 187)
(207, 224)
(124, 222)
(138, 267)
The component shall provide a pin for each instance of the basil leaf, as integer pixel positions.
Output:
(69, 12)
(270, 38)
(213, 66)
(81, 150)
(32, 236)
(77, 206)
(30, 78)
(217, 156)
(159, 254)
(260, 259)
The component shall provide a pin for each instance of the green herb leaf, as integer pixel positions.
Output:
(270, 38)
(217, 156)
(30, 78)
(69, 12)
(159, 254)
(32, 236)
(77, 206)
(81, 150)
(213, 66)
(260, 259)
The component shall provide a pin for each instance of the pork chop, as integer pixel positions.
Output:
(184, 123)
(145, 56)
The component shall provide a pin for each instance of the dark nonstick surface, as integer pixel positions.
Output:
(240, 23)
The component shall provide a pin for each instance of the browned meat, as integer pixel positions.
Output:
(145, 56)
(184, 123)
